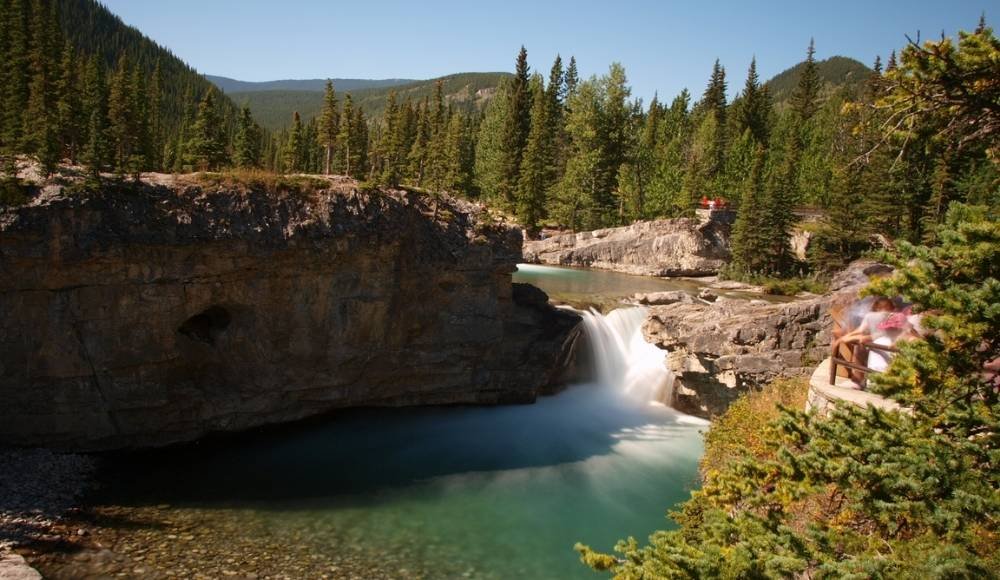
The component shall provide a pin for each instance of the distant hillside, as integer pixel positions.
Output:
(229, 85)
(274, 108)
(835, 72)
(93, 29)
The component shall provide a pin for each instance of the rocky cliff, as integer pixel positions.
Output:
(677, 247)
(720, 350)
(146, 315)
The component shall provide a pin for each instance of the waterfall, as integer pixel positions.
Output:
(623, 360)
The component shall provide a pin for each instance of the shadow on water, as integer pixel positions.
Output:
(364, 451)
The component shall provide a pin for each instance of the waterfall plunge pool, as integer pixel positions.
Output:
(456, 492)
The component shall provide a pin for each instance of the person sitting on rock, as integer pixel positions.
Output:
(873, 330)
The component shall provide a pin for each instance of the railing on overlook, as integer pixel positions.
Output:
(837, 361)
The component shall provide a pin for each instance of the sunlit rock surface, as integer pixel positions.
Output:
(676, 247)
(720, 350)
(135, 318)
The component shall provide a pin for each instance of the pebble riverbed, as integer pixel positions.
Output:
(43, 517)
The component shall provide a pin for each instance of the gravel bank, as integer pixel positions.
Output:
(38, 488)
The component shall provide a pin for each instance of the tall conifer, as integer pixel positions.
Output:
(517, 123)
(246, 146)
(328, 126)
(536, 166)
(292, 159)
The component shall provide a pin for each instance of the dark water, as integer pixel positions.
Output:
(501, 492)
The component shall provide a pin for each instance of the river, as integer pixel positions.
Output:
(441, 492)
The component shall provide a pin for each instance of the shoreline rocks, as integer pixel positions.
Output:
(675, 247)
(144, 315)
(37, 489)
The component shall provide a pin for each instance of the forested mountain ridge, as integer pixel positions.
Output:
(79, 84)
(274, 108)
(834, 73)
(228, 85)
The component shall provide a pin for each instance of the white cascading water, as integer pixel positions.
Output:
(622, 358)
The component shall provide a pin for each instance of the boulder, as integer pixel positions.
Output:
(707, 295)
(661, 298)
(147, 315)
(675, 247)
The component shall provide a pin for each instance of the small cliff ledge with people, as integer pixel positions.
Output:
(697, 246)
(720, 350)
(147, 314)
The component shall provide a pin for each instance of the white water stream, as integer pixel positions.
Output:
(622, 358)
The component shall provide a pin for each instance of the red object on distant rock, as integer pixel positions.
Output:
(704, 201)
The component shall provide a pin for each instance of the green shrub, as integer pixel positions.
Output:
(740, 431)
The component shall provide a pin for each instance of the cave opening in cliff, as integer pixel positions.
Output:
(207, 325)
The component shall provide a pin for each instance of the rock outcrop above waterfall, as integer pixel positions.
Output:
(146, 315)
(719, 350)
(676, 247)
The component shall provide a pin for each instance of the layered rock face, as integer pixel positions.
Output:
(718, 351)
(677, 247)
(136, 318)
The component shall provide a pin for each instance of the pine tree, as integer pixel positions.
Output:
(348, 137)
(555, 93)
(755, 107)
(95, 105)
(417, 156)
(805, 97)
(292, 160)
(394, 142)
(517, 123)
(572, 79)
(713, 103)
(700, 175)
(247, 153)
(750, 242)
(437, 150)
(139, 123)
(574, 202)
(618, 136)
(120, 116)
(360, 145)
(69, 109)
(207, 145)
(41, 131)
(536, 166)
(329, 126)
(489, 145)
(15, 78)
(634, 178)
(154, 109)
(458, 177)
(778, 207)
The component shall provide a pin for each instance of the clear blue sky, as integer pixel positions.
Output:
(664, 45)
